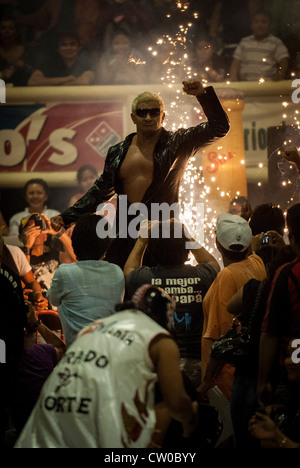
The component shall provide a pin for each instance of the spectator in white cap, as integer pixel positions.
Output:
(233, 240)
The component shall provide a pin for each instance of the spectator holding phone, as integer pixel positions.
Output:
(268, 227)
(36, 193)
(44, 260)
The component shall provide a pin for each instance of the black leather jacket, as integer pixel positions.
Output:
(171, 155)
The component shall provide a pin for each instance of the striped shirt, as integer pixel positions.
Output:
(260, 58)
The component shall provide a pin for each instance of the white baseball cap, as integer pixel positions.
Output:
(233, 230)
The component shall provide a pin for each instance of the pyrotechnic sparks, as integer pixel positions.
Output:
(201, 181)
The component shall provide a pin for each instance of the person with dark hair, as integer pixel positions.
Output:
(90, 288)
(267, 217)
(44, 258)
(260, 56)
(105, 384)
(268, 227)
(233, 240)
(240, 206)
(243, 401)
(86, 177)
(68, 67)
(15, 60)
(205, 62)
(26, 367)
(36, 193)
(56, 16)
(13, 320)
(282, 318)
(188, 284)
(147, 167)
(15, 258)
(115, 66)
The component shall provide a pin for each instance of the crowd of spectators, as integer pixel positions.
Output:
(194, 303)
(111, 42)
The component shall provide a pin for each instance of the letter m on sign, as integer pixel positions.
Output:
(2, 352)
(2, 92)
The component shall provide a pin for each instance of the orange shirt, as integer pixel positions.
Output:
(217, 320)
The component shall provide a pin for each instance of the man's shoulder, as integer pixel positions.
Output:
(287, 270)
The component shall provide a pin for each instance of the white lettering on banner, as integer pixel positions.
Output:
(2, 352)
(12, 148)
(295, 94)
(2, 92)
(67, 152)
(37, 124)
(296, 353)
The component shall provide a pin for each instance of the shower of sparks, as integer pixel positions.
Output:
(137, 61)
(172, 51)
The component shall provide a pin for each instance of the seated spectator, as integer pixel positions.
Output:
(44, 259)
(261, 55)
(56, 16)
(67, 67)
(117, 66)
(122, 356)
(86, 176)
(205, 62)
(187, 283)
(128, 16)
(89, 289)
(279, 427)
(281, 322)
(15, 62)
(268, 225)
(36, 193)
(233, 240)
(228, 23)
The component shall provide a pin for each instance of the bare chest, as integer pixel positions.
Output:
(136, 172)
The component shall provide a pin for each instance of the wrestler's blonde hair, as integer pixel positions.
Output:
(147, 96)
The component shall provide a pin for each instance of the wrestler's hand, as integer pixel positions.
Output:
(292, 155)
(193, 87)
(57, 223)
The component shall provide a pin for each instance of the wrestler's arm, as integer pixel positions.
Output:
(190, 140)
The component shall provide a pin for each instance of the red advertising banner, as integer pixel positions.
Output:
(58, 137)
